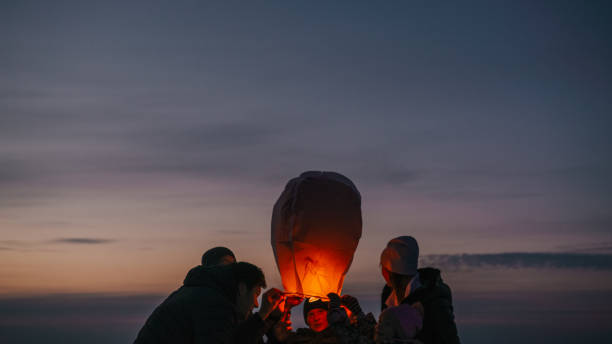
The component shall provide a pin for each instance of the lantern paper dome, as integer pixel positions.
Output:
(316, 226)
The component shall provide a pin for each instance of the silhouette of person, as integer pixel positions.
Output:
(416, 303)
(214, 305)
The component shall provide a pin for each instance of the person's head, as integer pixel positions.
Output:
(399, 261)
(315, 314)
(218, 256)
(249, 281)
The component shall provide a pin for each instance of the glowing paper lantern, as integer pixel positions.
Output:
(316, 226)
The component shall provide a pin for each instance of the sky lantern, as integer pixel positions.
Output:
(316, 226)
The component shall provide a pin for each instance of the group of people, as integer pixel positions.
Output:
(217, 300)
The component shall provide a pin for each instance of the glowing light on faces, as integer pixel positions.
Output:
(385, 274)
(255, 292)
(349, 314)
(317, 319)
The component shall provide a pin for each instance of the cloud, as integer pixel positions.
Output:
(42, 245)
(520, 260)
(84, 241)
(476, 195)
(594, 224)
(604, 247)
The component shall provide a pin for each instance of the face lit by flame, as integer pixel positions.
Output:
(317, 319)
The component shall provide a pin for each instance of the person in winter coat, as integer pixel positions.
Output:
(214, 305)
(417, 304)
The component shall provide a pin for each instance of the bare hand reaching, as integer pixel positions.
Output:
(269, 301)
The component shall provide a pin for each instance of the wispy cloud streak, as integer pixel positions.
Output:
(520, 260)
(84, 241)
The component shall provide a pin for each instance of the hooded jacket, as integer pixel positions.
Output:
(202, 311)
(438, 318)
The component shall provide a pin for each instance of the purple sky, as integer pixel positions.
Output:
(134, 136)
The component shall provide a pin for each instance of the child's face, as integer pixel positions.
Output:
(317, 319)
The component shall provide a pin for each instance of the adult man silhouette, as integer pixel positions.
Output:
(214, 305)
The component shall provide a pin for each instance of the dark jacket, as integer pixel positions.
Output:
(438, 318)
(308, 336)
(202, 311)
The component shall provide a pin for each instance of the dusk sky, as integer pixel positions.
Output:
(136, 135)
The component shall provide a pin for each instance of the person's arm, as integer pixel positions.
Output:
(365, 323)
(444, 328)
(250, 330)
(352, 304)
(280, 320)
(336, 315)
(256, 325)
(215, 327)
(346, 332)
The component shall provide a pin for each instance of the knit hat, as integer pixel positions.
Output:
(310, 305)
(401, 256)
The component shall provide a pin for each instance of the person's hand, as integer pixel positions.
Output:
(276, 314)
(281, 330)
(334, 300)
(285, 306)
(269, 301)
(352, 304)
(292, 301)
(336, 314)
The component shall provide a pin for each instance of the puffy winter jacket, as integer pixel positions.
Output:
(202, 311)
(435, 297)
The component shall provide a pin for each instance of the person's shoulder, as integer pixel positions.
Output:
(432, 289)
(429, 276)
(199, 300)
(431, 280)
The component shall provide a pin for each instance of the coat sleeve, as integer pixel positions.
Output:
(444, 323)
(251, 331)
(215, 326)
